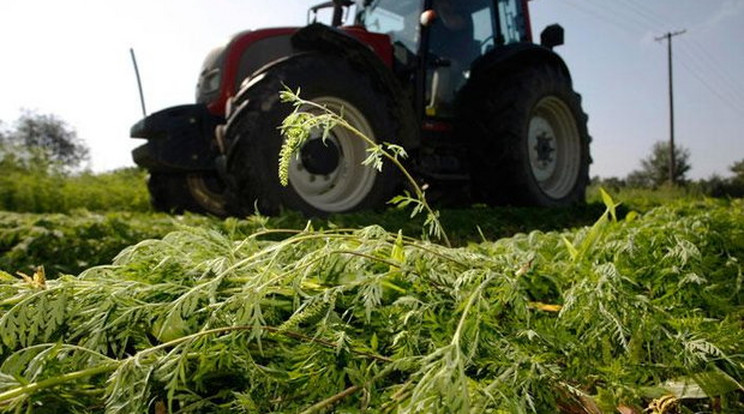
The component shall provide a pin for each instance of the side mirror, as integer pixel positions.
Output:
(552, 36)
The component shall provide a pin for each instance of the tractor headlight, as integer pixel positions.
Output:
(210, 76)
(209, 82)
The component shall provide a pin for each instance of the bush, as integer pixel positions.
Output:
(40, 191)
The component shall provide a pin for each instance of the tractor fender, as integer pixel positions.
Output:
(368, 55)
(513, 57)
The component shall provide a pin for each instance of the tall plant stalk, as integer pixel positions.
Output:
(299, 126)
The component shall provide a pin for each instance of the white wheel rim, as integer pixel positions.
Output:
(554, 147)
(350, 183)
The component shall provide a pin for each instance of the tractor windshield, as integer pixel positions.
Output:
(512, 21)
(398, 19)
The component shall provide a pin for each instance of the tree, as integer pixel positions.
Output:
(738, 169)
(43, 140)
(655, 169)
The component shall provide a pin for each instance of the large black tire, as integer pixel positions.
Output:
(199, 192)
(326, 178)
(528, 139)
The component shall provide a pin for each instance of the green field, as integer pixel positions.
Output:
(593, 308)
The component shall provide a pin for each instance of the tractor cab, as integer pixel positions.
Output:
(446, 36)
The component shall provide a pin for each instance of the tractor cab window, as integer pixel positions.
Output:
(483, 29)
(511, 22)
(462, 32)
(398, 19)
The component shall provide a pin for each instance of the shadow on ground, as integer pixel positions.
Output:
(463, 225)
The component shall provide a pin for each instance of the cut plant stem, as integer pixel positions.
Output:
(58, 380)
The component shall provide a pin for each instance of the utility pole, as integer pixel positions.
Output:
(672, 156)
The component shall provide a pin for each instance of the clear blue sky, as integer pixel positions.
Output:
(71, 58)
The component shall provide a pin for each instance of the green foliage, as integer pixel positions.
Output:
(42, 142)
(637, 192)
(738, 169)
(43, 191)
(654, 170)
(645, 199)
(69, 244)
(40, 159)
(733, 186)
(208, 320)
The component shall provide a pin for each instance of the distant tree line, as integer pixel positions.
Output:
(41, 143)
(654, 173)
(43, 169)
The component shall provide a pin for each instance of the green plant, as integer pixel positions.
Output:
(42, 143)
(42, 191)
(298, 127)
(654, 170)
(71, 243)
(199, 321)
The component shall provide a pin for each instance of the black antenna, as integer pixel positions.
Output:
(139, 82)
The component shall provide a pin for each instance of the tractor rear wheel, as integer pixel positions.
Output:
(201, 192)
(529, 143)
(328, 176)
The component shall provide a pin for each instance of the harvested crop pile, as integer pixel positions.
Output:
(643, 312)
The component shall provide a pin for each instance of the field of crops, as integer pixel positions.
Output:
(592, 310)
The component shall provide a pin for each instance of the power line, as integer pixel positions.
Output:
(630, 16)
(708, 75)
(726, 101)
(715, 64)
(653, 17)
(620, 24)
(645, 20)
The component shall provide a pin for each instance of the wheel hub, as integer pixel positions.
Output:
(320, 158)
(544, 149)
(330, 175)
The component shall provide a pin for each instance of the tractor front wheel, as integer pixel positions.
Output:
(198, 192)
(327, 176)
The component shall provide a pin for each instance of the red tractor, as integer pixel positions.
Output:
(480, 109)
